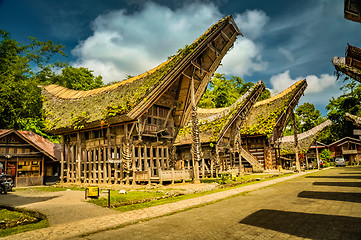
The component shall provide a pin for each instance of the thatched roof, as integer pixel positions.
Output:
(352, 10)
(305, 139)
(67, 109)
(270, 117)
(214, 122)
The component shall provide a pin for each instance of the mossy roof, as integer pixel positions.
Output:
(340, 66)
(214, 121)
(305, 139)
(263, 117)
(68, 109)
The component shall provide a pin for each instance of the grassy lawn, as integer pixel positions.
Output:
(132, 197)
(12, 222)
(142, 199)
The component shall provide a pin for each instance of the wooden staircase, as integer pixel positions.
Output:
(251, 159)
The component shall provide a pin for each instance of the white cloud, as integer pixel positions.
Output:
(124, 43)
(251, 23)
(315, 84)
(246, 55)
(287, 53)
(243, 59)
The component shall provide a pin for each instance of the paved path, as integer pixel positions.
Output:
(59, 207)
(78, 228)
(324, 205)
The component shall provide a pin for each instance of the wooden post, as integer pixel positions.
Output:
(212, 168)
(42, 169)
(151, 160)
(203, 163)
(134, 165)
(317, 157)
(62, 153)
(173, 175)
(166, 156)
(116, 165)
(105, 163)
(85, 167)
(196, 145)
(94, 166)
(99, 166)
(149, 176)
(160, 176)
(16, 172)
(79, 156)
(298, 166)
(109, 156)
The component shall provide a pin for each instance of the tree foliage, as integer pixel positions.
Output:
(307, 117)
(20, 96)
(224, 92)
(348, 102)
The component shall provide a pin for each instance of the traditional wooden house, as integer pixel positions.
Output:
(28, 158)
(304, 141)
(266, 123)
(219, 136)
(352, 10)
(350, 64)
(349, 148)
(125, 132)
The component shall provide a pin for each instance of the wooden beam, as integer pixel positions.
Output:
(199, 67)
(225, 35)
(195, 77)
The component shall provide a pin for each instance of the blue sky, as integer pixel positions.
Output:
(284, 40)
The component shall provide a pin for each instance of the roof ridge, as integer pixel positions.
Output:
(279, 95)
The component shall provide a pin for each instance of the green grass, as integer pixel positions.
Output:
(146, 204)
(11, 217)
(131, 197)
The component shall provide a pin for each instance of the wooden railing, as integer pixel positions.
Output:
(250, 158)
(346, 151)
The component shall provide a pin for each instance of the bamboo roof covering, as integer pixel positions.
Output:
(214, 122)
(70, 110)
(305, 139)
(352, 10)
(269, 117)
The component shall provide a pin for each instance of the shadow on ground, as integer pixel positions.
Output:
(337, 177)
(338, 184)
(13, 200)
(336, 196)
(350, 173)
(306, 225)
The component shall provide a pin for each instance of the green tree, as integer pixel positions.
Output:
(325, 155)
(71, 77)
(20, 98)
(307, 117)
(348, 102)
(224, 92)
